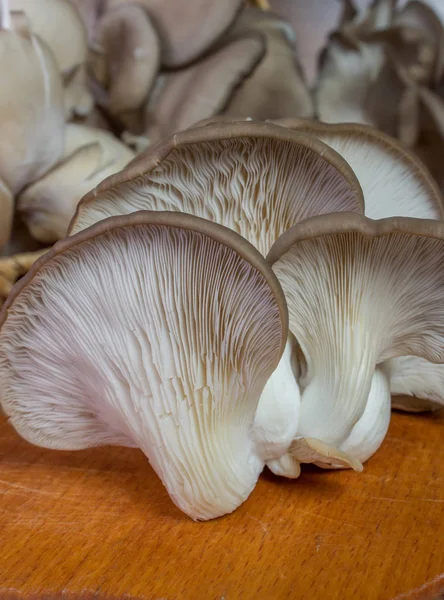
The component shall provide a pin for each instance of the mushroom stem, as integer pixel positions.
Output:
(5, 15)
(277, 416)
(338, 386)
(369, 432)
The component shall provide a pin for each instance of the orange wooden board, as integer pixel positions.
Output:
(100, 522)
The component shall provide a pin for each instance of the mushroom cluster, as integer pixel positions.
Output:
(94, 82)
(384, 66)
(253, 289)
(234, 307)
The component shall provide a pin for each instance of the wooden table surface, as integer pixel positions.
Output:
(99, 524)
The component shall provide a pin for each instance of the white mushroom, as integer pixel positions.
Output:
(417, 384)
(359, 292)
(257, 179)
(395, 183)
(393, 180)
(176, 326)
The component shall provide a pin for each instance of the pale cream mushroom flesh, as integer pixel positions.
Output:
(394, 183)
(393, 180)
(177, 325)
(359, 293)
(48, 205)
(31, 105)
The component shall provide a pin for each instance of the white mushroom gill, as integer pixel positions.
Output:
(259, 187)
(392, 185)
(354, 301)
(393, 180)
(413, 376)
(167, 346)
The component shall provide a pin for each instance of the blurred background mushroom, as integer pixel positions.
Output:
(142, 70)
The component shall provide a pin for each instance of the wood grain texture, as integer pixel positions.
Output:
(99, 524)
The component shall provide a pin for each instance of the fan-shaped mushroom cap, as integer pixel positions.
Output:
(256, 178)
(126, 55)
(394, 181)
(47, 206)
(176, 327)
(276, 87)
(187, 29)
(7, 212)
(359, 292)
(31, 109)
(203, 89)
(60, 26)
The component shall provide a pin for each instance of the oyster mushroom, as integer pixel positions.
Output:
(59, 25)
(90, 12)
(47, 206)
(188, 29)
(172, 107)
(183, 97)
(124, 58)
(255, 178)
(177, 373)
(402, 187)
(359, 293)
(393, 180)
(31, 105)
(276, 88)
